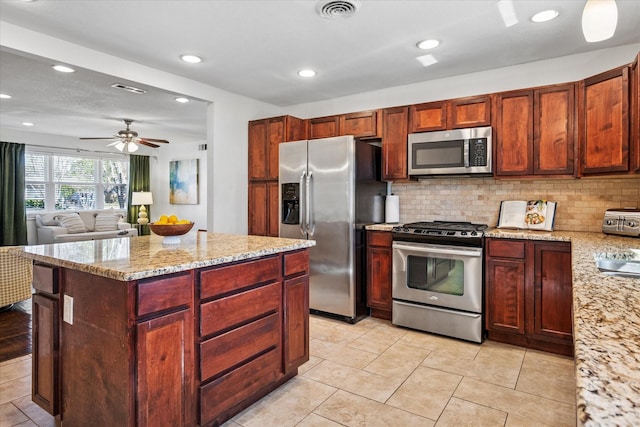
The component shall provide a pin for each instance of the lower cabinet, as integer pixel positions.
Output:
(263, 208)
(529, 294)
(379, 273)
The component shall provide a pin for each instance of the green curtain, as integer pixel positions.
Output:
(12, 205)
(138, 181)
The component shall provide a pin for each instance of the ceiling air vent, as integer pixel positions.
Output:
(128, 88)
(337, 9)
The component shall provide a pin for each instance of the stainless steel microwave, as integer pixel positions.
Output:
(450, 152)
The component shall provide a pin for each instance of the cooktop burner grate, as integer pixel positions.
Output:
(441, 232)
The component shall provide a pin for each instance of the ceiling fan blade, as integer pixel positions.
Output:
(104, 137)
(164, 141)
(143, 141)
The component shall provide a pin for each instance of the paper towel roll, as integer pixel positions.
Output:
(392, 209)
(378, 209)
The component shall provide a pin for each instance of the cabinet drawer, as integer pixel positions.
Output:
(237, 309)
(232, 348)
(168, 292)
(227, 279)
(238, 385)
(296, 263)
(45, 278)
(505, 248)
(379, 238)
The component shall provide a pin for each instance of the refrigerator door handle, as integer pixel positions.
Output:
(308, 210)
(303, 196)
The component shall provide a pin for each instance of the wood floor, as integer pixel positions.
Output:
(15, 331)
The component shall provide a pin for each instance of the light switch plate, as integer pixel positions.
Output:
(67, 312)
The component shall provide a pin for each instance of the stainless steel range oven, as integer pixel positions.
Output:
(437, 278)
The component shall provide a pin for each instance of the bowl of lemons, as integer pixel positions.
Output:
(170, 227)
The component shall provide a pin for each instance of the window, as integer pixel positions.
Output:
(61, 181)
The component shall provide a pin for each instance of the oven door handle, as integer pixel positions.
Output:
(435, 250)
(443, 310)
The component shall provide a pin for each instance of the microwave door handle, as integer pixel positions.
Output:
(466, 153)
(311, 226)
(302, 213)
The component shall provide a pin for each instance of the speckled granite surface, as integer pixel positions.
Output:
(146, 256)
(606, 327)
(381, 227)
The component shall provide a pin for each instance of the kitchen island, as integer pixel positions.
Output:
(606, 327)
(131, 332)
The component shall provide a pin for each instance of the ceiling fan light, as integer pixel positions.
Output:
(132, 147)
(599, 20)
(120, 146)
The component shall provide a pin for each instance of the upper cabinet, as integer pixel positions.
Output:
(604, 123)
(635, 115)
(452, 114)
(394, 143)
(534, 132)
(264, 137)
(363, 124)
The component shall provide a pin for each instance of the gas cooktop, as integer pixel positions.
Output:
(444, 232)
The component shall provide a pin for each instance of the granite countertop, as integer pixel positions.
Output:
(606, 327)
(381, 227)
(136, 258)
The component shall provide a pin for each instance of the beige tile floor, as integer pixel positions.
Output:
(376, 374)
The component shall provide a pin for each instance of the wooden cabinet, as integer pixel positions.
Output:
(604, 123)
(634, 135)
(394, 143)
(296, 311)
(46, 314)
(363, 124)
(379, 260)
(263, 208)
(528, 294)
(534, 132)
(452, 114)
(264, 138)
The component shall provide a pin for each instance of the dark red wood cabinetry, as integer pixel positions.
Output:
(394, 143)
(379, 273)
(362, 124)
(528, 294)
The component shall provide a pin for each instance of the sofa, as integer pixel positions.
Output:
(16, 274)
(73, 226)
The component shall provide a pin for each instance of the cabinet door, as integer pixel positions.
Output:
(379, 273)
(553, 141)
(45, 390)
(604, 122)
(275, 135)
(470, 112)
(514, 133)
(258, 149)
(505, 299)
(635, 115)
(296, 322)
(258, 208)
(324, 127)
(165, 371)
(273, 209)
(394, 143)
(364, 124)
(428, 117)
(551, 316)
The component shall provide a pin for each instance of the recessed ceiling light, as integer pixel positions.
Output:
(426, 60)
(599, 20)
(192, 59)
(63, 69)
(545, 15)
(306, 73)
(182, 99)
(4, 96)
(27, 124)
(428, 44)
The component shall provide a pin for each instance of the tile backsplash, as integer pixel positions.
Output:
(581, 202)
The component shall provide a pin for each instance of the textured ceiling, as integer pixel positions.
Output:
(255, 48)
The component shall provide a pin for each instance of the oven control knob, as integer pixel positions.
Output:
(473, 233)
(464, 233)
(632, 223)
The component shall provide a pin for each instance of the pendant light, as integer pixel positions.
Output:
(599, 20)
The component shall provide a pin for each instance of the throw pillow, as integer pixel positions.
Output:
(106, 222)
(72, 223)
(47, 219)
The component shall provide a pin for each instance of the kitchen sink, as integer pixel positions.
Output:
(619, 267)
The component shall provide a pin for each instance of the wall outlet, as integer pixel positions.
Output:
(67, 311)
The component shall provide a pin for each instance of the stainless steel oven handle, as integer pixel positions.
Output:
(458, 313)
(435, 249)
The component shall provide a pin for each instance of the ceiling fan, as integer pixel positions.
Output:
(129, 139)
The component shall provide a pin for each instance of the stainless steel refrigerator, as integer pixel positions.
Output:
(326, 193)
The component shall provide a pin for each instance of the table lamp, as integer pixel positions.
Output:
(141, 198)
